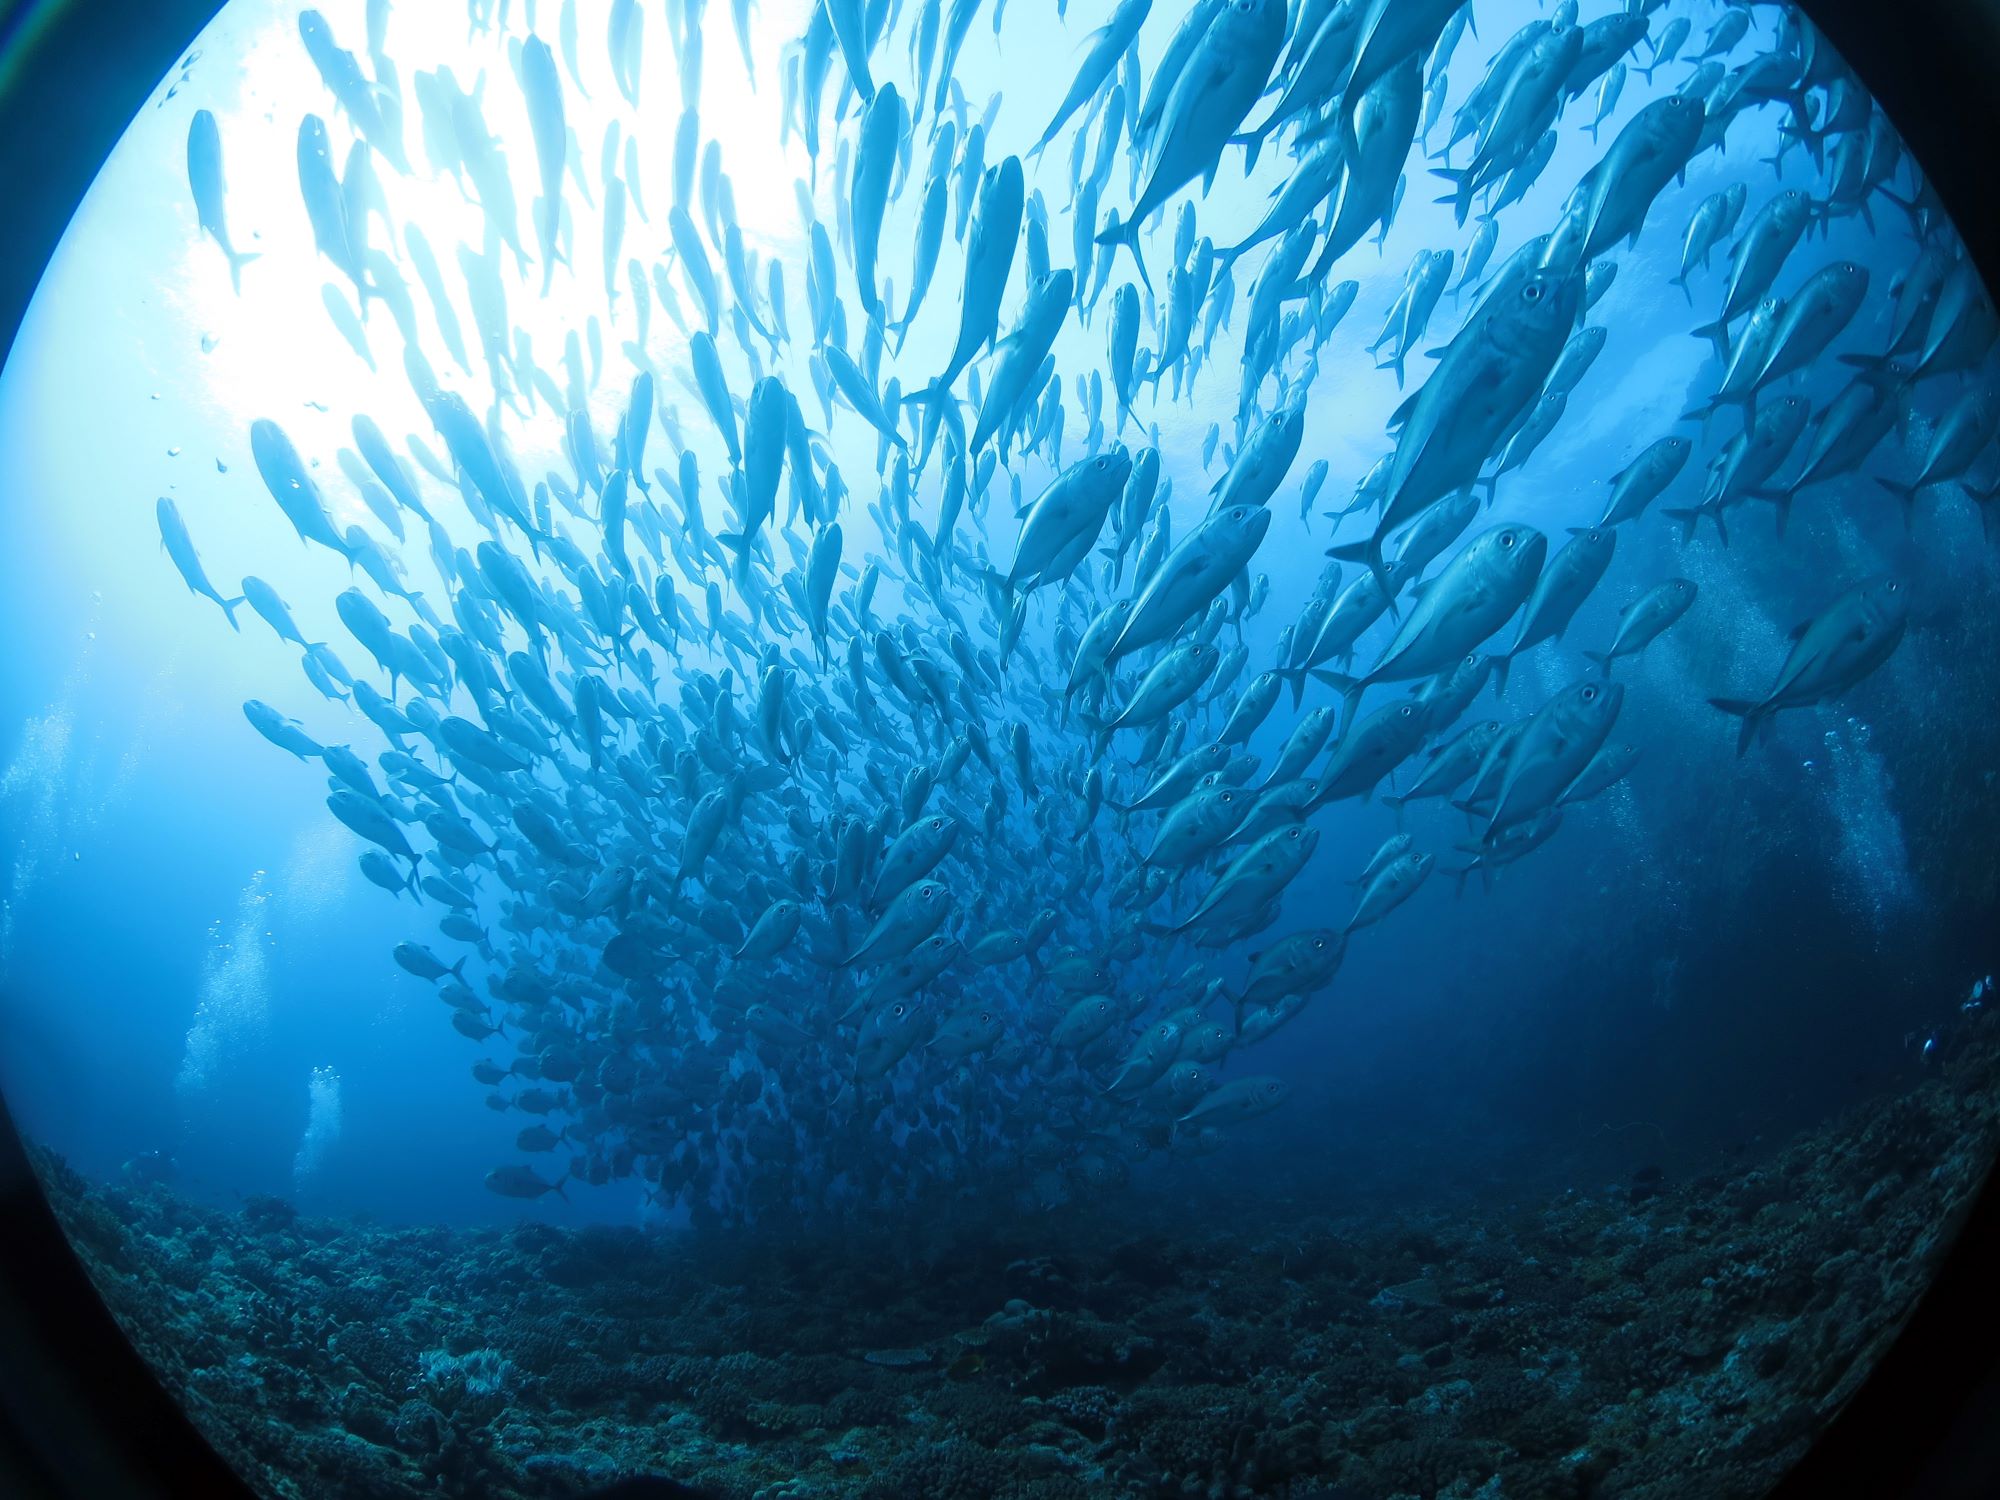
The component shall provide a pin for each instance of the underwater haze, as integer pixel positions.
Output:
(899, 647)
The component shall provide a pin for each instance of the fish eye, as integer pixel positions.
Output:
(1293, 834)
(1406, 710)
(1894, 587)
(1589, 695)
(1228, 796)
(1532, 291)
(1506, 538)
(985, 1018)
(899, 1009)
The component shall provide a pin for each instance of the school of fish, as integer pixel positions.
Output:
(775, 838)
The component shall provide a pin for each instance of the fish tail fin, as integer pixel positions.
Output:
(1782, 499)
(1814, 140)
(1460, 196)
(1370, 552)
(1349, 688)
(1987, 511)
(1755, 719)
(1252, 142)
(1871, 363)
(1294, 678)
(1907, 493)
(1717, 333)
(1909, 206)
(1602, 658)
(740, 544)
(1690, 519)
(229, 611)
(1395, 803)
(1127, 234)
(238, 259)
(928, 395)
(1500, 663)
(997, 580)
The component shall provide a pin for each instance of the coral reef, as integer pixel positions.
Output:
(1662, 1338)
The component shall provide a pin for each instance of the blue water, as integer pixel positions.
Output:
(1718, 950)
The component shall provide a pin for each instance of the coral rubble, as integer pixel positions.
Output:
(1664, 1338)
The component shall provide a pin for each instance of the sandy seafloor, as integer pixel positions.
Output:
(1667, 1338)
